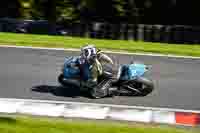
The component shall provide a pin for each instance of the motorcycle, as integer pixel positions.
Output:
(128, 79)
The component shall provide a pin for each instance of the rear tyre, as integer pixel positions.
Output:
(68, 82)
(60, 79)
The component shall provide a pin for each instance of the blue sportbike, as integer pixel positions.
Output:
(128, 79)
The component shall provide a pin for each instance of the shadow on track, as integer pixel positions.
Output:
(72, 92)
(60, 91)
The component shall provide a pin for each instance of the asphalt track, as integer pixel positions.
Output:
(32, 74)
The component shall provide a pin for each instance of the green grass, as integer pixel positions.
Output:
(27, 124)
(116, 45)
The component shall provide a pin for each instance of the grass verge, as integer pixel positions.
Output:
(119, 45)
(28, 124)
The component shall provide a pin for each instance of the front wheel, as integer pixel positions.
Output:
(145, 86)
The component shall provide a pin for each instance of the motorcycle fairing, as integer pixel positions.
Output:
(74, 72)
(132, 71)
(68, 71)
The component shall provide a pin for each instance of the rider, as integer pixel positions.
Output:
(92, 61)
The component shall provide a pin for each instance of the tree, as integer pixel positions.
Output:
(10, 8)
(67, 10)
(101, 10)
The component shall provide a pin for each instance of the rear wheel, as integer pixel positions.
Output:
(60, 79)
(68, 82)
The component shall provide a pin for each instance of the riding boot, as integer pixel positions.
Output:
(89, 84)
(102, 89)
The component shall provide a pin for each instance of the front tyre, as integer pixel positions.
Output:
(146, 86)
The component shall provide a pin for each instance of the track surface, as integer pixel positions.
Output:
(31, 73)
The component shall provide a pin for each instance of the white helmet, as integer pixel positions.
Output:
(88, 51)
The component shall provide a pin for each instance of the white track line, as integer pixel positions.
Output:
(106, 51)
(97, 104)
